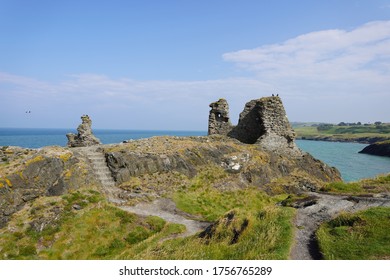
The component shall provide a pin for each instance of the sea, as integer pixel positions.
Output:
(344, 156)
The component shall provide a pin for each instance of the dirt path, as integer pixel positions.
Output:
(166, 209)
(309, 218)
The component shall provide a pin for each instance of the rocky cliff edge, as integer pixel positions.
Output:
(149, 168)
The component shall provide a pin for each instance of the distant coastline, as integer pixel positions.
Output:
(353, 133)
(361, 140)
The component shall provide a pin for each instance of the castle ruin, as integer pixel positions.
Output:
(263, 121)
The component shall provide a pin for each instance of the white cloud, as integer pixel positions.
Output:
(325, 67)
(323, 55)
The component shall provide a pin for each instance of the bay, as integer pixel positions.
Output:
(346, 158)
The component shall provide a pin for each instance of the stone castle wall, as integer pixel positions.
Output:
(263, 121)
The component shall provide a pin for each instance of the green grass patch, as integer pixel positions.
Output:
(51, 228)
(246, 224)
(379, 184)
(342, 187)
(256, 229)
(265, 234)
(359, 236)
(211, 203)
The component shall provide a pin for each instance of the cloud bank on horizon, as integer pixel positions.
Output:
(328, 75)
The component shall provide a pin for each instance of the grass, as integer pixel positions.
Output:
(50, 228)
(266, 236)
(256, 229)
(247, 225)
(379, 184)
(349, 133)
(359, 236)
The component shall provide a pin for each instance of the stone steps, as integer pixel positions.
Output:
(103, 173)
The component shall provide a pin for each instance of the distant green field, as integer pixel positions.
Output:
(360, 133)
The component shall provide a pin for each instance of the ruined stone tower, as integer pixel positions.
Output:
(219, 121)
(263, 121)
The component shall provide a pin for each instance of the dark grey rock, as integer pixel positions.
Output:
(377, 149)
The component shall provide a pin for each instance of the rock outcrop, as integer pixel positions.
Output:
(84, 136)
(30, 174)
(160, 164)
(150, 168)
(263, 121)
(378, 149)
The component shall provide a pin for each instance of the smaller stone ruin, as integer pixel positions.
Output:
(263, 121)
(84, 136)
(219, 121)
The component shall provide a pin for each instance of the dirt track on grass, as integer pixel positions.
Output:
(166, 209)
(327, 206)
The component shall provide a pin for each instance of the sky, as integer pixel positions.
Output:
(157, 65)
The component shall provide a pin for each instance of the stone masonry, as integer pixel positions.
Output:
(263, 121)
(219, 121)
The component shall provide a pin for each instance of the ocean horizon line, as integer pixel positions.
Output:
(40, 137)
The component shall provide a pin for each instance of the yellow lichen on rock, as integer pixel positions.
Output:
(35, 159)
(5, 182)
(68, 174)
(8, 182)
(66, 156)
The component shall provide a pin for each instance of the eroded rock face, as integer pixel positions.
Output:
(263, 121)
(242, 165)
(31, 174)
(84, 136)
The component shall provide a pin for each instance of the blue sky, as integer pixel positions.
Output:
(158, 64)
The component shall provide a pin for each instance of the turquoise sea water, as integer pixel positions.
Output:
(343, 156)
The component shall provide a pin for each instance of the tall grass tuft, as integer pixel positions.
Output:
(359, 236)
